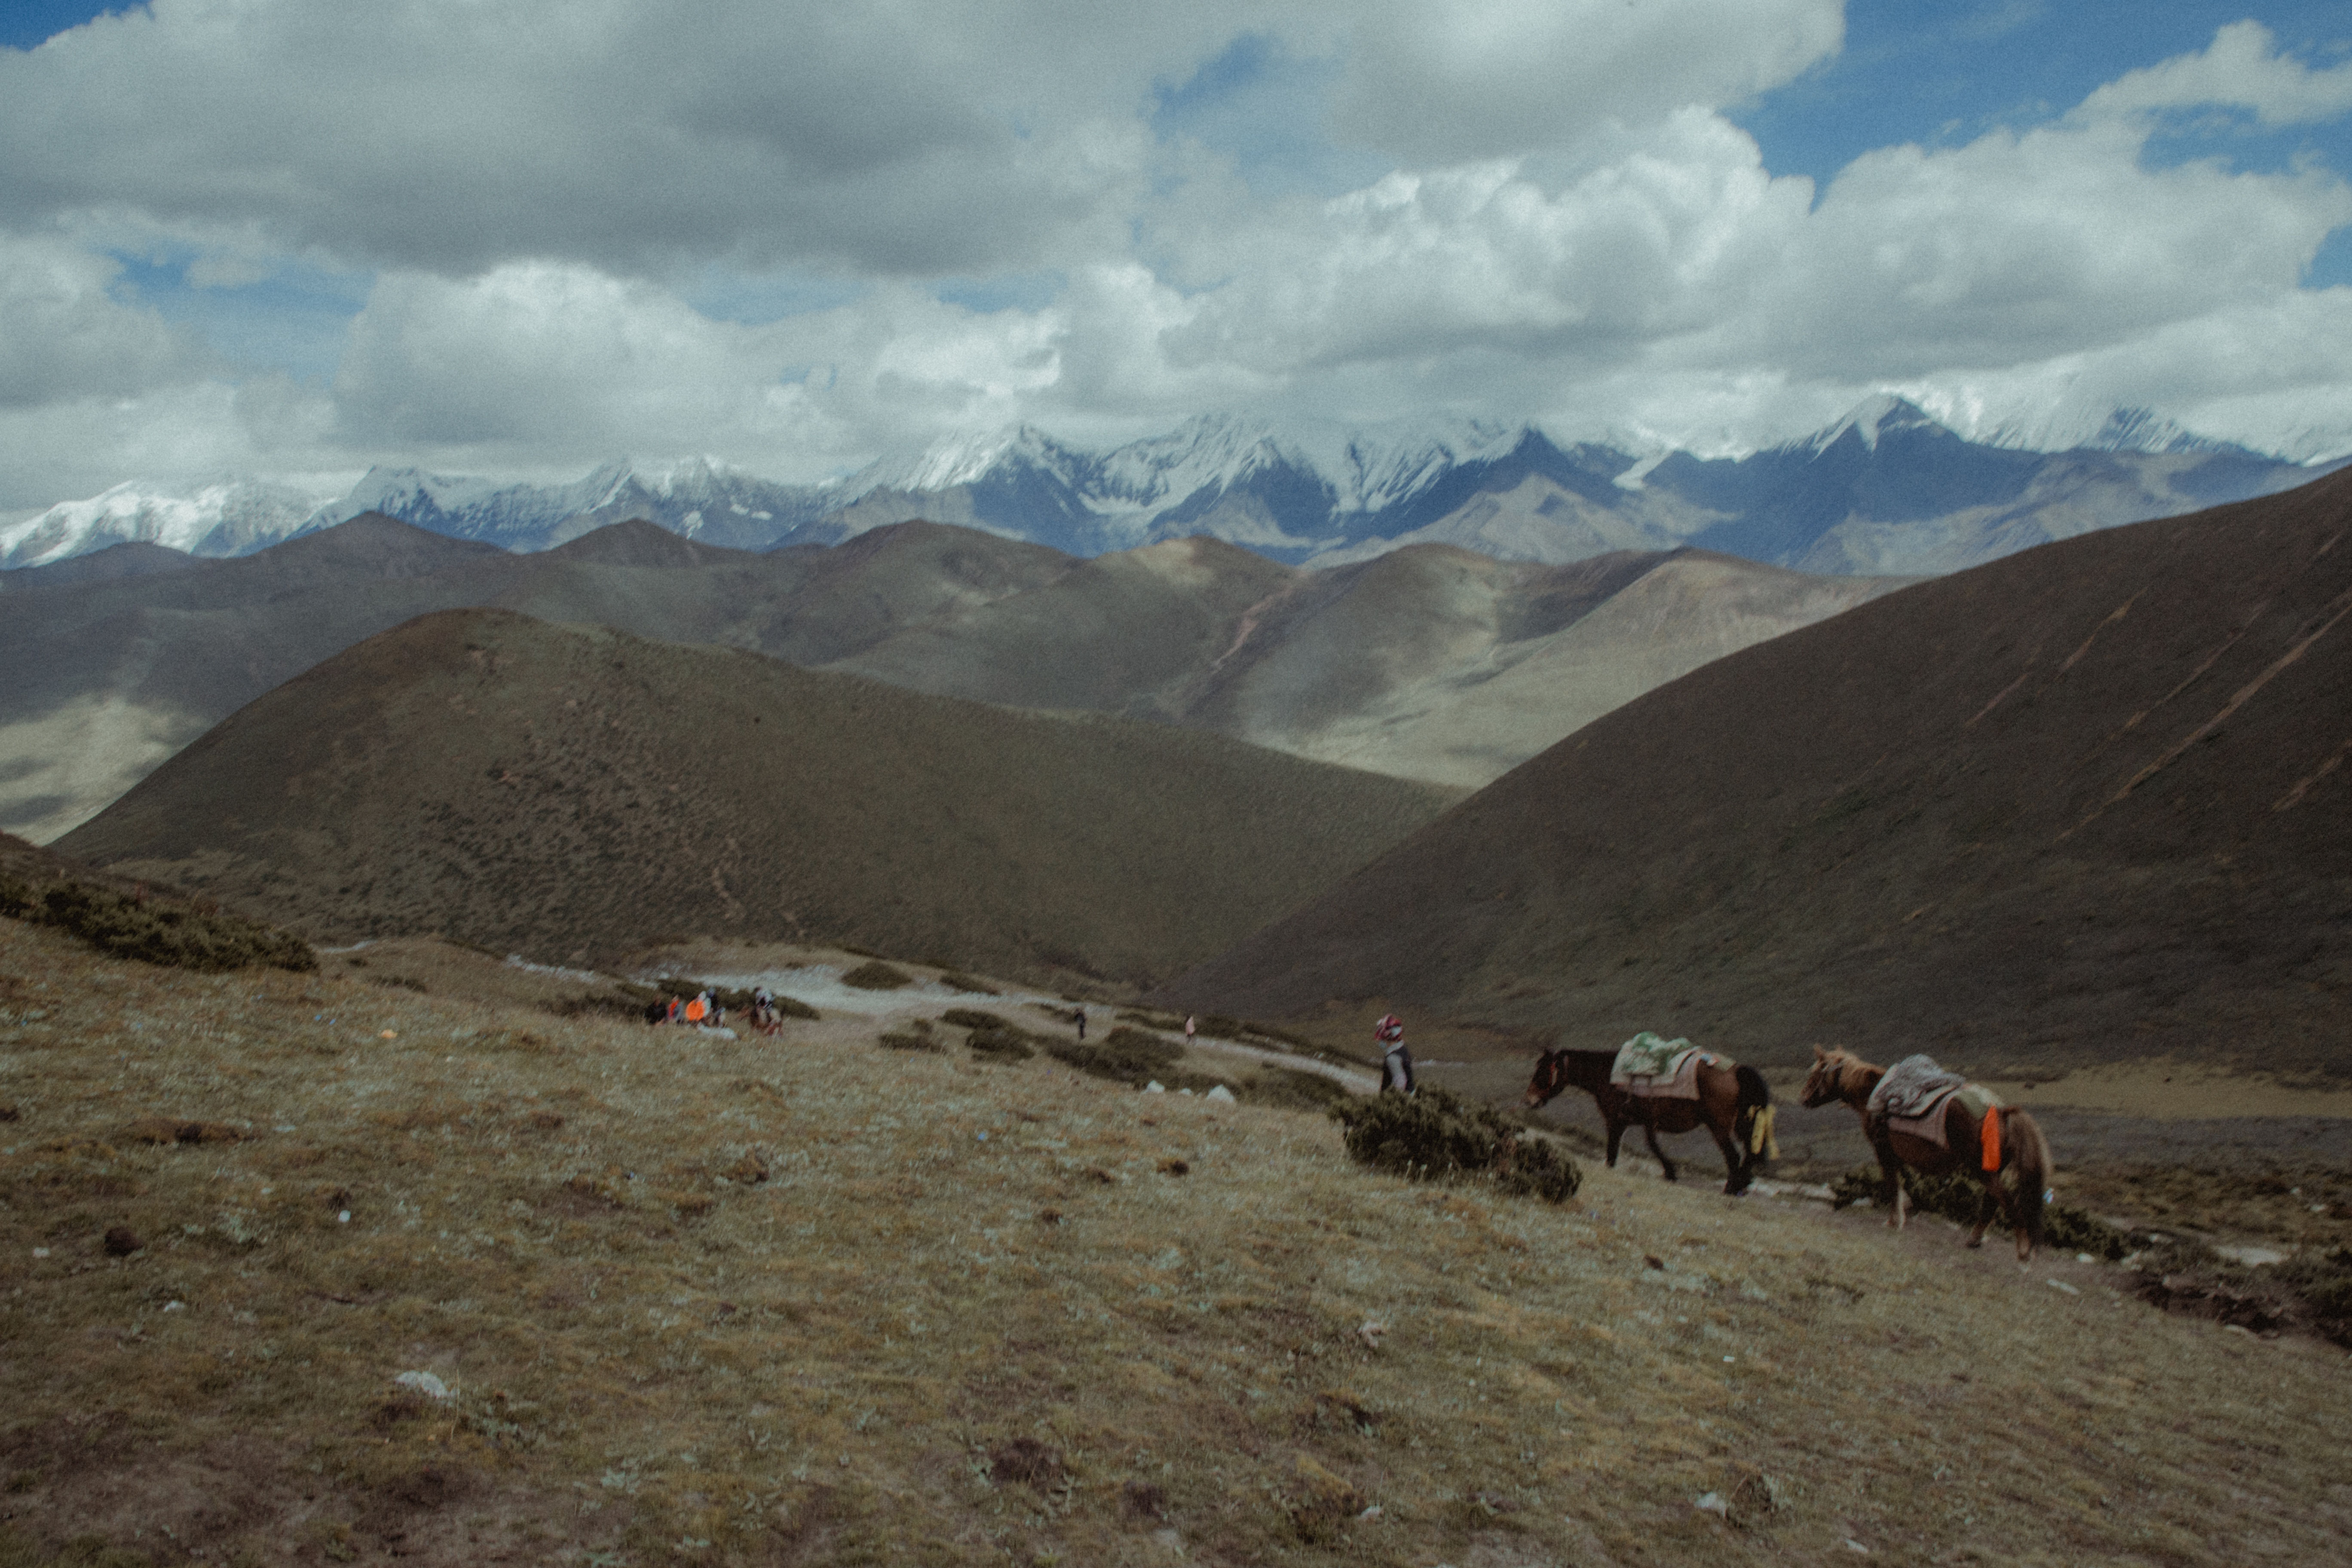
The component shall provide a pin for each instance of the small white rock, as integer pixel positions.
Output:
(175, 1306)
(2085, 1258)
(1219, 1093)
(1155, 1086)
(424, 1383)
(40, 1252)
(2062, 1285)
(1714, 1503)
(344, 1218)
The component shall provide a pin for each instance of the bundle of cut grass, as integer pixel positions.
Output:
(1437, 1136)
(2064, 1227)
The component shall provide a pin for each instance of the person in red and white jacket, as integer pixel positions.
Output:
(1396, 1062)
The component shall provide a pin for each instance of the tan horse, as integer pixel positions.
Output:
(1840, 1075)
(1730, 1098)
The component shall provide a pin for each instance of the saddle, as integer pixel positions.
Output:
(1914, 1096)
(1657, 1069)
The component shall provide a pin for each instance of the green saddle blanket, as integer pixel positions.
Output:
(1648, 1055)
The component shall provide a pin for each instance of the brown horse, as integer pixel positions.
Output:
(1839, 1075)
(1729, 1100)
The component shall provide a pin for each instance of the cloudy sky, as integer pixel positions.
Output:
(295, 237)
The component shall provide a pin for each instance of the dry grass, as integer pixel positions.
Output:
(812, 1300)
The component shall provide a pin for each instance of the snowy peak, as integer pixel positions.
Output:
(1879, 415)
(229, 517)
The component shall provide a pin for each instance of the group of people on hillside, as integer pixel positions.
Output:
(704, 1011)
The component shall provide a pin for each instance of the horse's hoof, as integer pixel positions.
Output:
(1976, 1241)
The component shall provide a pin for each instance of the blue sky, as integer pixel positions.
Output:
(299, 237)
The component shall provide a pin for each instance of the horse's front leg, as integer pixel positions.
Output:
(1989, 1203)
(1650, 1132)
(1616, 1136)
(1890, 1169)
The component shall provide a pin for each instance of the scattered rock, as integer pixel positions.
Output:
(750, 1170)
(424, 1383)
(1220, 1093)
(1370, 1334)
(1143, 1499)
(1714, 1503)
(123, 1241)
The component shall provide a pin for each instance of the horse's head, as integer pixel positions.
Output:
(1827, 1080)
(1550, 1078)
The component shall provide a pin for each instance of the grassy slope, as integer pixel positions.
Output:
(2080, 804)
(842, 1363)
(565, 791)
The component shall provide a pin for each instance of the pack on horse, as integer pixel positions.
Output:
(1730, 1100)
(2014, 1145)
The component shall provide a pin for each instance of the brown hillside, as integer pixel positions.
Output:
(2081, 803)
(109, 678)
(568, 791)
(1429, 662)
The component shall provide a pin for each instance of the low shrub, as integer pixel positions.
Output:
(1437, 1136)
(968, 986)
(876, 975)
(166, 931)
(1287, 1088)
(973, 1018)
(915, 1036)
(1003, 1045)
(1124, 1055)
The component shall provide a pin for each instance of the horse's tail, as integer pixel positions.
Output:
(2030, 1152)
(1753, 1126)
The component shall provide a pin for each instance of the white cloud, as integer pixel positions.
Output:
(2242, 69)
(1567, 228)
(1489, 79)
(64, 336)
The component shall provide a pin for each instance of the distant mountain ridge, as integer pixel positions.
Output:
(1886, 489)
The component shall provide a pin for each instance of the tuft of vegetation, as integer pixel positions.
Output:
(1434, 1136)
(1001, 1044)
(166, 931)
(967, 985)
(1125, 1055)
(915, 1036)
(1288, 1089)
(876, 975)
(973, 1018)
(2064, 1227)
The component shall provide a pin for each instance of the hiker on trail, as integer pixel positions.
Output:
(1191, 1024)
(698, 1012)
(676, 1011)
(1396, 1062)
(657, 1013)
(1082, 1023)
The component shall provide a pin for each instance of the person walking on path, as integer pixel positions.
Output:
(1191, 1024)
(1396, 1062)
(1082, 1023)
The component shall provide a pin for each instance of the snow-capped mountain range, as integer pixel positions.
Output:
(1885, 490)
